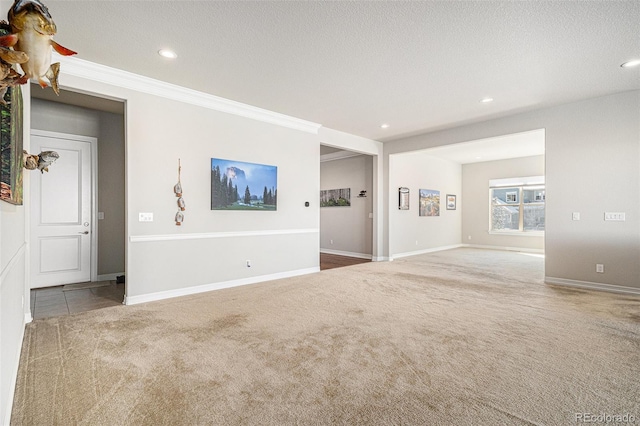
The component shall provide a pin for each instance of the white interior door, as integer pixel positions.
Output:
(61, 211)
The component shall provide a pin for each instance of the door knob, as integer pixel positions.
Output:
(85, 232)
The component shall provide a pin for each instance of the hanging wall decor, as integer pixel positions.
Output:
(237, 185)
(335, 197)
(403, 198)
(451, 202)
(11, 153)
(41, 161)
(429, 202)
(177, 189)
(32, 30)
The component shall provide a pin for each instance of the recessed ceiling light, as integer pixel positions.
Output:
(166, 53)
(486, 100)
(384, 126)
(630, 64)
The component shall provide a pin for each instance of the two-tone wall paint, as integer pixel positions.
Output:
(591, 166)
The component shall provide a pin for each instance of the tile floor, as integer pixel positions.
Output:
(58, 301)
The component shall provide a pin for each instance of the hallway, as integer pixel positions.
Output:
(73, 298)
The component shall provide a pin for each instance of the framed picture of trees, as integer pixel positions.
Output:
(11, 146)
(237, 185)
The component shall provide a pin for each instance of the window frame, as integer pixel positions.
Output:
(522, 184)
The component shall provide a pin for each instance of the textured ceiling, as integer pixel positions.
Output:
(351, 65)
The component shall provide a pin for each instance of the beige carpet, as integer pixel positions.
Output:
(457, 337)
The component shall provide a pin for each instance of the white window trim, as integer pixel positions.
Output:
(518, 233)
(529, 182)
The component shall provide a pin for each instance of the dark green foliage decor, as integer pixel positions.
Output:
(11, 147)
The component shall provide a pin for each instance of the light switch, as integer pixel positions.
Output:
(576, 216)
(100, 215)
(614, 216)
(145, 217)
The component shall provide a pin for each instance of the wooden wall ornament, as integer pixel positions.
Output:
(177, 189)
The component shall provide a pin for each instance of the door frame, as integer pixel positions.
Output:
(94, 192)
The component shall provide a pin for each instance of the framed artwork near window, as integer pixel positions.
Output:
(451, 202)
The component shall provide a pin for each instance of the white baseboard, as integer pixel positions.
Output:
(521, 249)
(592, 286)
(109, 277)
(429, 250)
(28, 318)
(161, 295)
(346, 253)
(380, 259)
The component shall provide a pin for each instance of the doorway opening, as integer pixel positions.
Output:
(491, 190)
(74, 270)
(346, 225)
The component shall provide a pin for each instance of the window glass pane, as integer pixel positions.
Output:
(534, 218)
(505, 195)
(533, 195)
(504, 217)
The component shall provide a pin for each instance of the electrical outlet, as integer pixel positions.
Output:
(100, 215)
(600, 268)
(331, 242)
(469, 237)
(416, 242)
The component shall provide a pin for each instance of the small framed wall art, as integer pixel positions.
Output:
(429, 202)
(335, 197)
(451, 202)
(403, 198)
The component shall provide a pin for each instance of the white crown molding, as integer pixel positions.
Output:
(338, 155)
(161, 295)
(116, 77)
(209, 235)
(611, 288)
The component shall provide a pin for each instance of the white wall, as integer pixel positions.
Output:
(350, 228)
(362, 145)
(14, 293)
(475, 193)
(413, 234)
(109, 130)
(592, 166)
(211, 248)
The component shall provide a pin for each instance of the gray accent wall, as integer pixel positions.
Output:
(108, 128)
(475, 193)
(592, 167)
(350, 228)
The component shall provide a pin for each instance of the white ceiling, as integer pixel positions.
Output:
(516, 145)
(353, 65)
